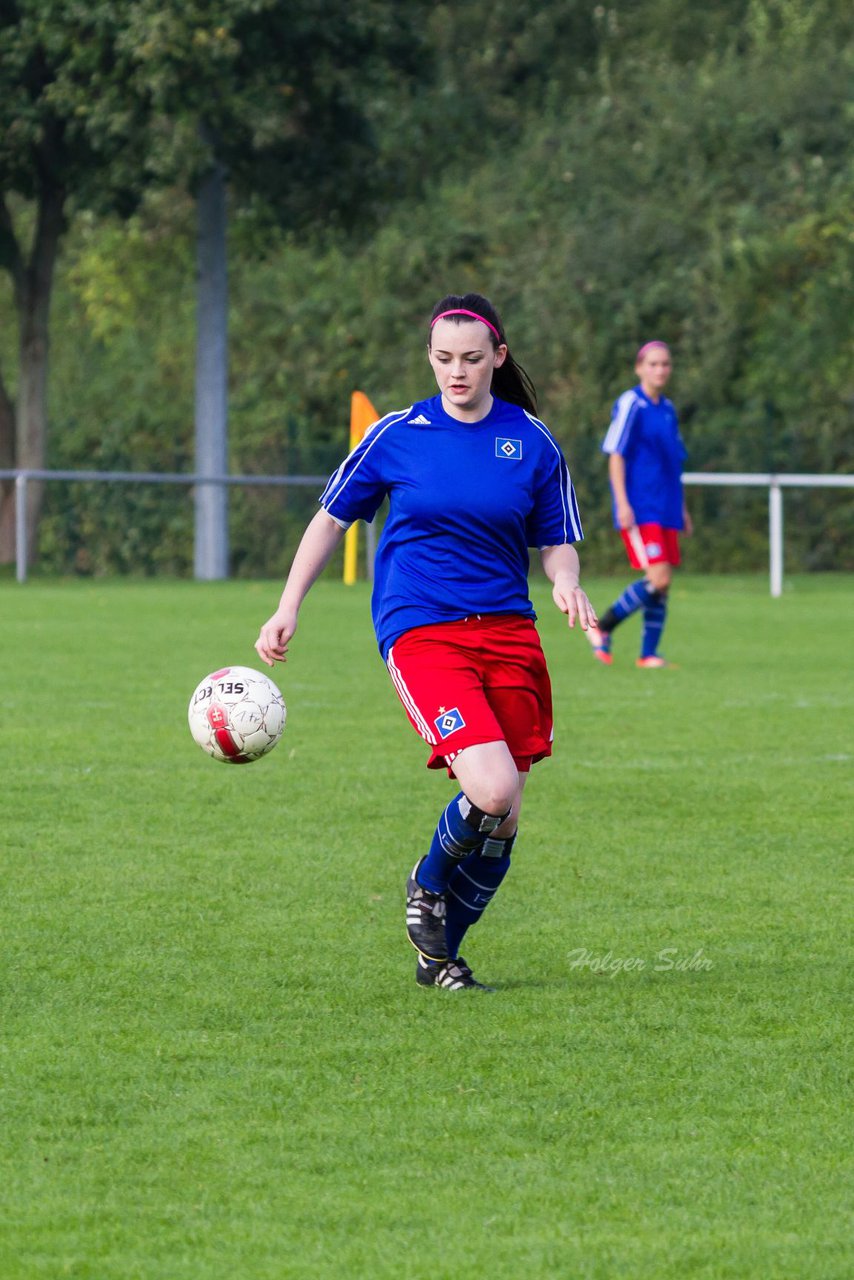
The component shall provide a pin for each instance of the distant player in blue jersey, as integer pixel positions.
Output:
(645, 458)
(473, 480)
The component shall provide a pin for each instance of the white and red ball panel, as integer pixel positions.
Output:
(237, 715)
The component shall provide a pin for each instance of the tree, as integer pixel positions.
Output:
(67, 129)
(100, 102)
(288, 133)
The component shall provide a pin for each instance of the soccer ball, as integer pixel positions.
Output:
(237, 715)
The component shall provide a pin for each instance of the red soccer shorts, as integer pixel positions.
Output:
(648, 544)
(482, 679)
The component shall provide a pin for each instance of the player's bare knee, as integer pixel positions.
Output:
(493, 787)
(501, 793)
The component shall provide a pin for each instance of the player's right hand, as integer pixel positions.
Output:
(274, 638)
(625, 515)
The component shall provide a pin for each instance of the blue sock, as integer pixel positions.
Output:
(654, 617)
(453, 840)
(472, 886)
(633, 598)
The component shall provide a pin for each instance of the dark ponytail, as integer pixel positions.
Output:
(510, 382)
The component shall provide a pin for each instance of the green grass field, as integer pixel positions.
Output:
(215, 1062)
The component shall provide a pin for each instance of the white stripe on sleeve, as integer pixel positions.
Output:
(338, 482)
(621, 423)
(569, 503)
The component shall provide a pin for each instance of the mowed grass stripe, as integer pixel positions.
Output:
(215, 1061)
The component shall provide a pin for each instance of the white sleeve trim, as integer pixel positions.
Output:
(618, 432)
(342, 524)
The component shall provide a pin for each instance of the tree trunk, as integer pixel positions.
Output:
(211, 540)
(33, 297)
(12, 261)
(23, 427)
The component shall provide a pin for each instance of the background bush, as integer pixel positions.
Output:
(605, 177)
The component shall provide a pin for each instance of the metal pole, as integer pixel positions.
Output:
(211, 536)
(775, 529)
(21, 527)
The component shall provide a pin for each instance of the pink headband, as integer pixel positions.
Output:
(474, 316)
(646, 346)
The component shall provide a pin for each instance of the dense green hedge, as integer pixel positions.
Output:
(701, 193)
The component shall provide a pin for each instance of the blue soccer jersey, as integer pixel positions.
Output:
(647, 436)
(466, 501)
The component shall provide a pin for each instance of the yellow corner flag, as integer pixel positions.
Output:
(362, 415)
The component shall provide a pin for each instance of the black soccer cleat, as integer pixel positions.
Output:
(425, 919)
(453, 975)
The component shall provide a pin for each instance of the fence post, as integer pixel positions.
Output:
(775, 529)
(21, 527)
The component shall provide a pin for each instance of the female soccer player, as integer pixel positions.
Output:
(473, 480)
(645, 460)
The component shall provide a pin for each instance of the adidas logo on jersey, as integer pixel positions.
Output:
(420, 421)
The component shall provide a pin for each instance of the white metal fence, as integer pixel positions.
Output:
(23, 477)
(775, 483)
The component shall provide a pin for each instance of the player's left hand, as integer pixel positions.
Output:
(574, 603)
